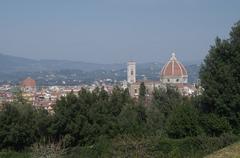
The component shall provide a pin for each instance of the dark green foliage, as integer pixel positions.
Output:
(43, 121)
(215, 125)
(102, 148)
(220, 78)
(17, 126)
(21, 125)
(47, 150)
(83, 118)
(166, 100)
(132, 120)
(14, 154)
(98, 124)
(192, 146)
(183, 122)
(142, 91)
(155, 121)
(129, 146)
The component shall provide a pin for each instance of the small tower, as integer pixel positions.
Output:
(131, 72)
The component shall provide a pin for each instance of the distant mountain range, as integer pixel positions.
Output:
(16, 68)
(18, 64)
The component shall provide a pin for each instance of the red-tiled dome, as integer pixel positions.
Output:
(173, 68)
(28, 82)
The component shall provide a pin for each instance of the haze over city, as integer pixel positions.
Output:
(107, 31)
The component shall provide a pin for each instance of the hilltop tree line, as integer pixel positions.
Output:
(99, 124)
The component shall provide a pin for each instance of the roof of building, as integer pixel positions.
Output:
(185, 85)
(173, 68)
(138, 82)
(28, 82)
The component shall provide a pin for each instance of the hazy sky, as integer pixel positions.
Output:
(109, 31)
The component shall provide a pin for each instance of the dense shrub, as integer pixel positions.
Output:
(214, 125)
(183, 122)
(50, 150)
(14, 154)
(192, 146)
(17, 126)
(130, 146)
(98, 124)
(166, 100)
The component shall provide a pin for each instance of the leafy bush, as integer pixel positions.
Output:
(47, 151)
(14, 154)
(214, 125)
(17, 126)
(192, 146)
(101, 148)
(183, 122)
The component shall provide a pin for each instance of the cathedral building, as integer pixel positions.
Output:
(134, 85)
(173, 73)
(28, 88)
(28, 85)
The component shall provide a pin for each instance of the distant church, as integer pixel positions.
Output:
(28, 85)
(173, 73)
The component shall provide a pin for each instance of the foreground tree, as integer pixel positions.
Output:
(142, 91)
(17, 126)
(214, 125)
(183, 122)
(220, 78)
(166, 100)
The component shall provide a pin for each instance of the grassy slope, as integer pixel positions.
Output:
(12, 154)
(232, 151)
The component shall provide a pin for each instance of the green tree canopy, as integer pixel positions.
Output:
(17, 126)
(220, 78)
(142, 91)
(166, 100)
(183, 122)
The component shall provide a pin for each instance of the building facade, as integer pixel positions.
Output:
(150, 86)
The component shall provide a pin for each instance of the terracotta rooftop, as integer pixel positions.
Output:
(173, 68)
(28, 82)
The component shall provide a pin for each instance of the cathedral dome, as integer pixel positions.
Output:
(174, 71)
(28, 82)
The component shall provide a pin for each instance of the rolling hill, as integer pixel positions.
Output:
(18, 64)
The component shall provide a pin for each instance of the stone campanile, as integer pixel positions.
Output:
(131, 72)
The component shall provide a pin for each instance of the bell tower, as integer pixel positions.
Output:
(131, 72)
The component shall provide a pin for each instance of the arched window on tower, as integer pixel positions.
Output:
(135, 90)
